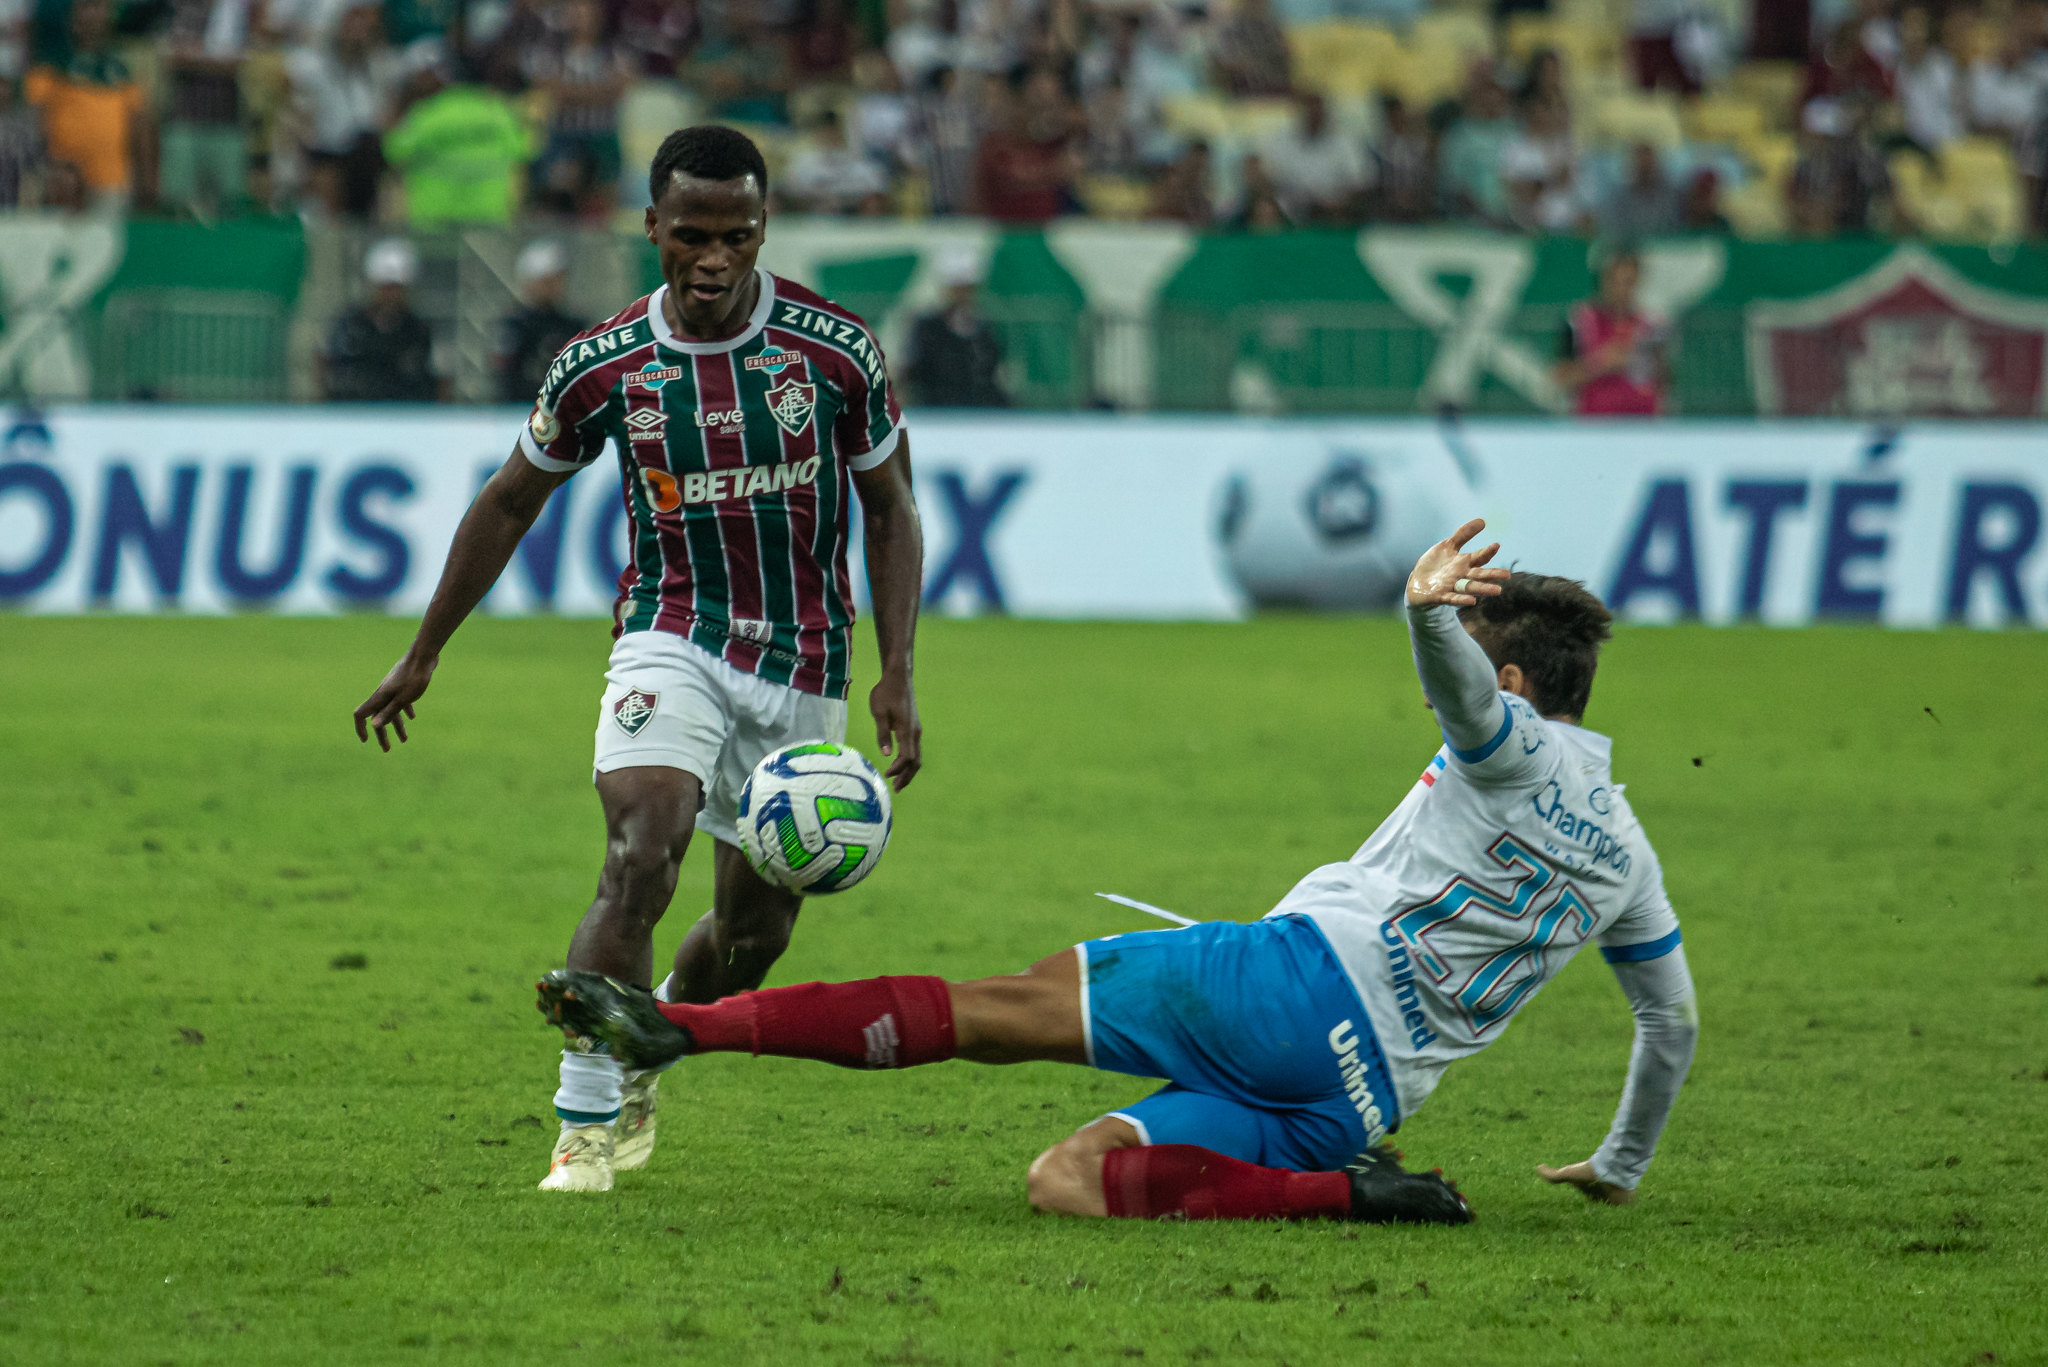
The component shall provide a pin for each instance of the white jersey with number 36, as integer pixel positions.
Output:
(1501, 863)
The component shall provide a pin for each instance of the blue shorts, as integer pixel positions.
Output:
(1270, 1054)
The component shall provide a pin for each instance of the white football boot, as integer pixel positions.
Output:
(582, 1160)
(634, 1142)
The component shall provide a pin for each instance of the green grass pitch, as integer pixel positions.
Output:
(226, 1145)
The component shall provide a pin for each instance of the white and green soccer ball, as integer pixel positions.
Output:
(814, 817)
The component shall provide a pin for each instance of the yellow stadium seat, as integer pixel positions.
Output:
(1583, 46)
(1338, 51)
(1773, 87)
(1422, 76)
(1725, 119)
(1115, 197)
(1774, 155)
(1463, 30)
(1254, 121)
(1633, 117)
(1756, 208)
(1196, 116)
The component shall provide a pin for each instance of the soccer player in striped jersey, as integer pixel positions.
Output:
(745, 413)
(1294, 1044)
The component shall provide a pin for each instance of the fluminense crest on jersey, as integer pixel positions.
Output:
(790, 404)
(635, 710)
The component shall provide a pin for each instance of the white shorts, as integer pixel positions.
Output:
(673, 704)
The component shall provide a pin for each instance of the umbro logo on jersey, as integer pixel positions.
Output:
(646, 424)
(724, 423)
(773, 360)
(790, 404)
(651, 376)
(635, 710)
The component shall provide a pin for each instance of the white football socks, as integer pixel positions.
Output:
(593, 1086)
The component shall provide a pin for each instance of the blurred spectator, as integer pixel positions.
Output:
(380, 351)
(64, 189)
(531, 335)
(1258, 207)
(926, 42)
(582, 74)
(204, 166)
(1929, 83)
(1024, 171)
(821, 43)
(738, 67)
(1183, 191)
(14, 23)
(655, 35)
(880, 118)
(459, 150)
(1645, 204)
(1471, 152)
(1653, 41)
(1700, 211)
(947, 124)
(1543, 83)
(1320, 172)
(1847, 67)
(341, 94)
(2006, 86)
(954, 353)
(1119, 132)
(93, 112)
(828, 177)
(1612, 355)
(1839, 184)
(1251, 57)
(1540, 171)
(21, 146)
(1152, 57)
(1403, 166)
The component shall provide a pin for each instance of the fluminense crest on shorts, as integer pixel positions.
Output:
(633, 711)
(790, 404)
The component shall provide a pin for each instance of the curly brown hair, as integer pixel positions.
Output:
(1549, 627)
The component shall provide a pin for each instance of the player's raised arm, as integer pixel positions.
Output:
(895, 553)
(490, 531)
(1460, 682)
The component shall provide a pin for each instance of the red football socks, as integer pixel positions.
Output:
(1201, 1184)
(873, 1023)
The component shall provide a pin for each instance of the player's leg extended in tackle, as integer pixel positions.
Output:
(650, 814)
(1271, 1158)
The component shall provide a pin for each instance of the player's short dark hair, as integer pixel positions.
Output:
(1551, 629)
(709, 151)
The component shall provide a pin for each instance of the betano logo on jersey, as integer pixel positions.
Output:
(668, 493)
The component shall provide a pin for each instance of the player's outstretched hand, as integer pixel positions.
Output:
(391, 704)
(1580, 1175)
(1449, 574)
(897, 729)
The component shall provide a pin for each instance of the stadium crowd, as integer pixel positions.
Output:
(1626, 117)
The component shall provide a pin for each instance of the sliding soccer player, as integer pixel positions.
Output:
(1294, 1044)
(745, 412)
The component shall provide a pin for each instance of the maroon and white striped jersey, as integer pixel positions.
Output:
(736, 459)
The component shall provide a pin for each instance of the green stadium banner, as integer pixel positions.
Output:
(1407, 320)
(92, 307)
